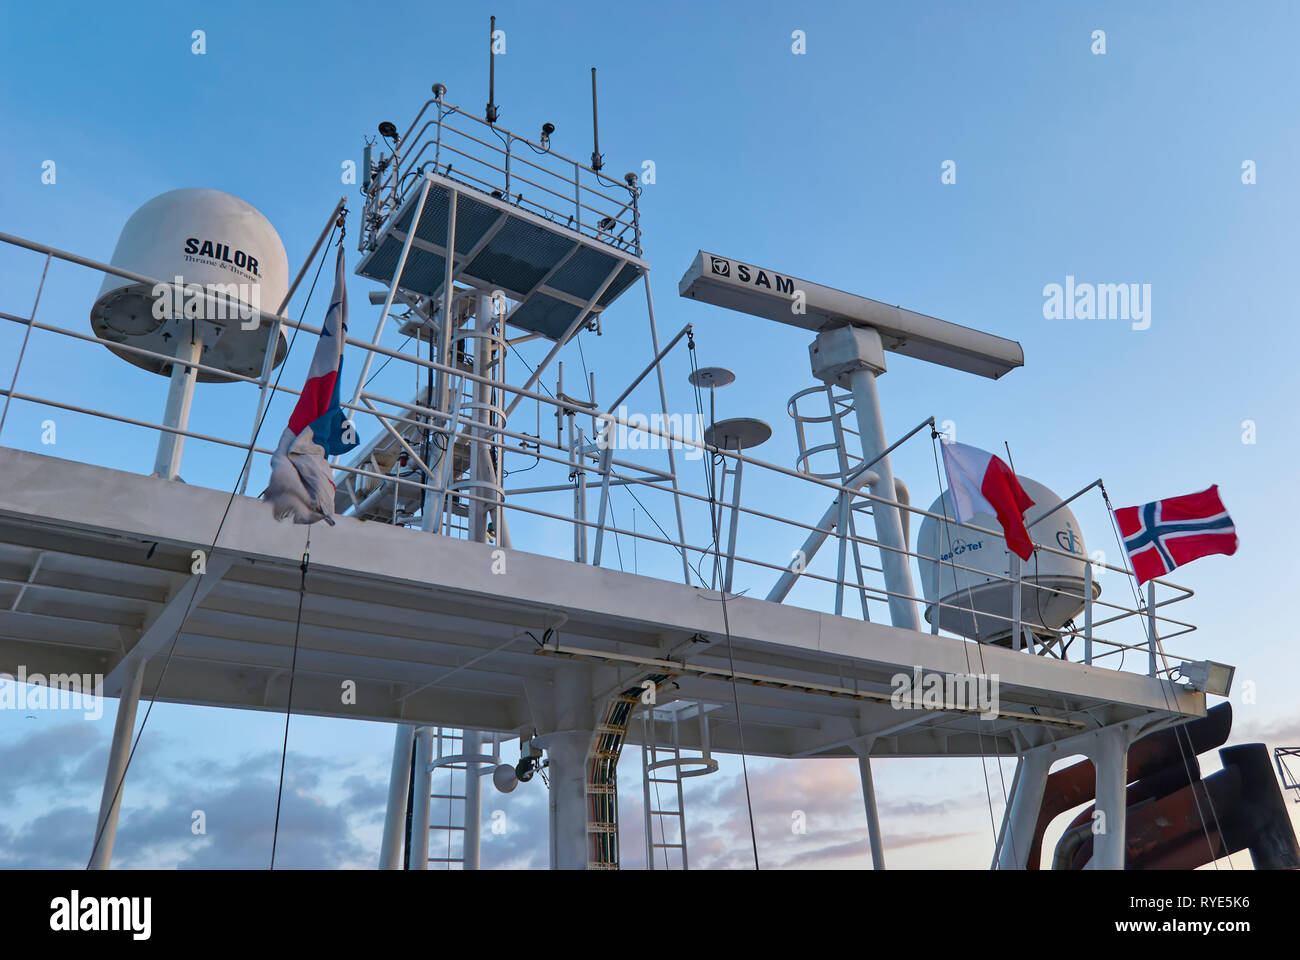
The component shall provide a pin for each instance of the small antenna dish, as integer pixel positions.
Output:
(738, 433)
(504, 778)
(492, 73)
(547, 130)
(711, 377)
(596, 161)
(388, 131)
(439, 91)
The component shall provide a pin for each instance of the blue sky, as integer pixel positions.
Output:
(1117, 168)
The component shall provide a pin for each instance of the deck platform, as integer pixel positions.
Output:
(95, 567)
(555, 272)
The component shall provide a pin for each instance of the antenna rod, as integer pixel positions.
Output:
(492, 72)
(595, 126)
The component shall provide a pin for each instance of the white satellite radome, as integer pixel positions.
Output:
(217, 244)
(1043, 609)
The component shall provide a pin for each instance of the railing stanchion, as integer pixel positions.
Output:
(26, 336)
(580, 491)
(1016, 587)
(1151, 627)
(1087, 612)
(509, 140)
(730, 568)
(606, 456)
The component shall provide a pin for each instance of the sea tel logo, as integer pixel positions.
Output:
(751, 276)
(1068, 540)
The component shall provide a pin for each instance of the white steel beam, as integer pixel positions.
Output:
(119, 752)
(168, 621)
(566, 750)
(399, 784)
(418, 854)
(869, 801)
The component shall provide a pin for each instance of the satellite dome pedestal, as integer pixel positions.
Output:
(963, 571)
(220, 274)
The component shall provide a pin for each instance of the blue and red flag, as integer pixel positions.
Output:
(1166, 534)
(302, 485)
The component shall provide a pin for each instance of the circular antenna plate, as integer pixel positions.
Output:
(738, 433)
(504, 779)
(710, 377)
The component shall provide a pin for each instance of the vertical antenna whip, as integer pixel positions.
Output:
(492, 72)
(595, 126)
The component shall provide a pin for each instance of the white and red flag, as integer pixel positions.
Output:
(1165, 534)
(979, 482)
(302, 485)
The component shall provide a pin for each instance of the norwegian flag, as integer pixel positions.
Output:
(1163, 535)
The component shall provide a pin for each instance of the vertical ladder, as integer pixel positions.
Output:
(447, 797)
(841, 405)
(847, 465)
(453, 524)
(654, 782)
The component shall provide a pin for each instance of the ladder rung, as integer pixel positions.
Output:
(667, 846)
(443, 826)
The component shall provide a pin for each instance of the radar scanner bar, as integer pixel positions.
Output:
(774, 295)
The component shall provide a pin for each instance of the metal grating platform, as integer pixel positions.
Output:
(557, 274)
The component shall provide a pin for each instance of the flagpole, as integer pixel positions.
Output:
(1151, 589)
(1076, 496)
(1018, 587)
(273, 341)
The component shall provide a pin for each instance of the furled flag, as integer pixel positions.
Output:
(302, 485)
(1166, 534)
(981, 483)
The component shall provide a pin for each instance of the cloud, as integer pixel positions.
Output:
(240, 822)
(332, 813)
(524, 819)
(1276, 733)
(322, 805)
(58, 839)
(48, 755)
